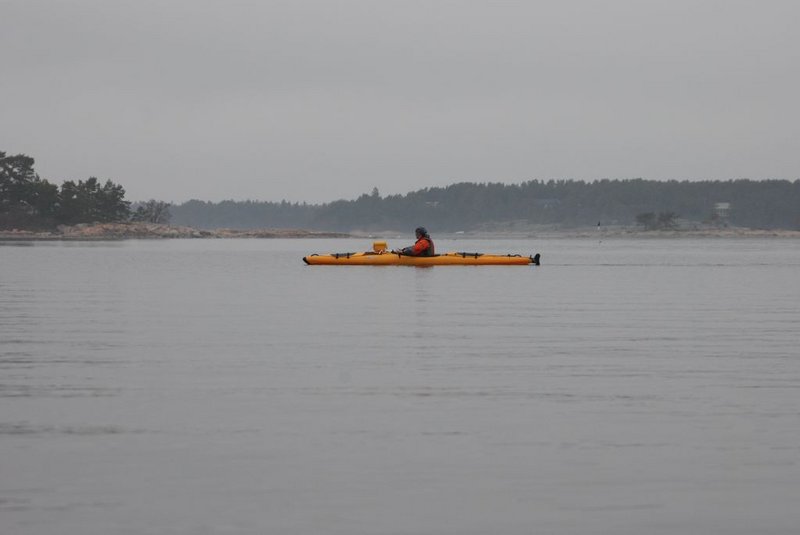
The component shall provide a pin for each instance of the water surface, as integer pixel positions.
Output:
(192, 387)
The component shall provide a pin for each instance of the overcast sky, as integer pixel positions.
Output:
(321, 100)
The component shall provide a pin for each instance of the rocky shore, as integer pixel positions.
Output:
(127, 231)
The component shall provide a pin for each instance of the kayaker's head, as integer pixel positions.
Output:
(420, 232)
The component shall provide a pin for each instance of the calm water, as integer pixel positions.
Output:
(203, 387)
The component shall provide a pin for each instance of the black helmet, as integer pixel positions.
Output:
(421, 231)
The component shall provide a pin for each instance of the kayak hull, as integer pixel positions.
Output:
(394, 259)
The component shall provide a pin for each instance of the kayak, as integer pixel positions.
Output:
(394, 259)
(381, 257)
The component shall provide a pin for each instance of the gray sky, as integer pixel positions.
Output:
(323, 100)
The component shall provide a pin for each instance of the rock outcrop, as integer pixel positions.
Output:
(127, 231)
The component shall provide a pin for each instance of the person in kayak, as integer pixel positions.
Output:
(423, 246)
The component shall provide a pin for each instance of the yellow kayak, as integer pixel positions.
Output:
(381, 257)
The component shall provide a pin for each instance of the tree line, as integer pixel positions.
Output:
(768, 204)
(30, 202)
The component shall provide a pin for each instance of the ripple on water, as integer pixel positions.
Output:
(27, 429)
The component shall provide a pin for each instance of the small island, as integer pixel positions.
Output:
(32, 208)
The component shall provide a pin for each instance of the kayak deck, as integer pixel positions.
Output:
(394, 259)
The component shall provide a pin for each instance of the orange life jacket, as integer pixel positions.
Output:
(423, 247)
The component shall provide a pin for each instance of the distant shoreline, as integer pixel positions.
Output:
(129, 231)
(150, 231)
(634, 233)
(609, 232)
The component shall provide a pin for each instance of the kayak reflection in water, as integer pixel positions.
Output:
(422, 247)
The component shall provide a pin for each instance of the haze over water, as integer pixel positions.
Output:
(203, 387)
